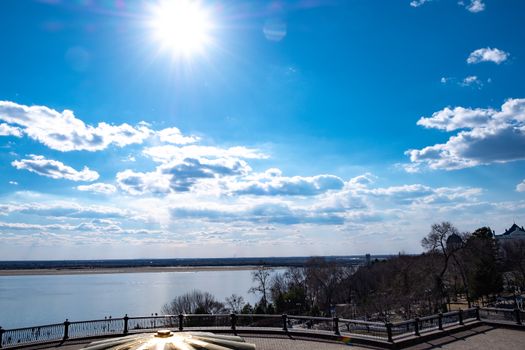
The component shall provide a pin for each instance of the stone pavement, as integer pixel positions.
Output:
(482, 337)
(273, 342)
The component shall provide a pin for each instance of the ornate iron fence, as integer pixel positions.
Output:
(253, 322)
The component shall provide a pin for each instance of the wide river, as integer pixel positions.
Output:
(37, 300)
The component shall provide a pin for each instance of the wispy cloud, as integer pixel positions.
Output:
(54, 169)
(473, 6)
(421, 194)
(95, 226)
(266, 213)
(167, 153)
(487, 55)
(485, 136)
(472, 80)
(521, 186)
(98, 187)
(417, 3)
(64, 210)
(469, 81)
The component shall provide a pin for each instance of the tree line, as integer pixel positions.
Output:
(466, 268)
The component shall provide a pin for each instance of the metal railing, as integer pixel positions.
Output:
(505, 315)
(310, 325)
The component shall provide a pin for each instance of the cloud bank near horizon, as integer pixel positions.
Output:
(183, 192)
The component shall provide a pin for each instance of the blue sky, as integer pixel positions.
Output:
(303, 127)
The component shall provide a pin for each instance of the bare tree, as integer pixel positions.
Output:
(436, 242)
(194, 302)
(323, 279)
(235, 303)
(261, 277)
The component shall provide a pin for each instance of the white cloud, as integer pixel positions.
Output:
(8, 130)
(421, 194)
(54, 169)
(272, 183)
(16, 226)
(97, 226)
(457, 118)
(183, 168)
(104, 226)
(264, 213)
(138, 183)
(64, 210)
(417, 3)
(362, 180)
(173, 135)
(164, 154)
(521, 186)
(471, 80)
(485, 136)
(487, 55)
(98, 187)
(180, 175)
(14, 183)
(64, 132)
(227, 220)
(473, 6)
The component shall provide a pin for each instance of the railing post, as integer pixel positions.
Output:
(440, 321)
(66, 329)
(336, 326)
(518, 315)
(285, 322)
(389, 331)
(460, 316)
(126, 318)
(416, 326)
(233, 319)
(478, 317)
(181, 322)
(1, 335)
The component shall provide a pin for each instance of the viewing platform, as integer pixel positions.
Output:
(463, 329)
(482, 337)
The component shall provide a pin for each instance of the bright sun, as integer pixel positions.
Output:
(181, 26)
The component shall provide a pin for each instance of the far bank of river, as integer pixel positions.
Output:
(31, 300)
(110, 270)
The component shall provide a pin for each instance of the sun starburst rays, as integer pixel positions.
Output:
(181, 27)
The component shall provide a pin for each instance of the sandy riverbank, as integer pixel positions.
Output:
(95, 271)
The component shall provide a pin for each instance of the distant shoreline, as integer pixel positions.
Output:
(111, 270)
(112, 266)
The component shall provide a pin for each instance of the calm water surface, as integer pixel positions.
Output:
(37, 300)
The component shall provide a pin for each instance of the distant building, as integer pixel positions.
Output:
(514, 232)
(368, 260)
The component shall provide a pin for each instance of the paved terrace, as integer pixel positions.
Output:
(480, 337)
(475, 328)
